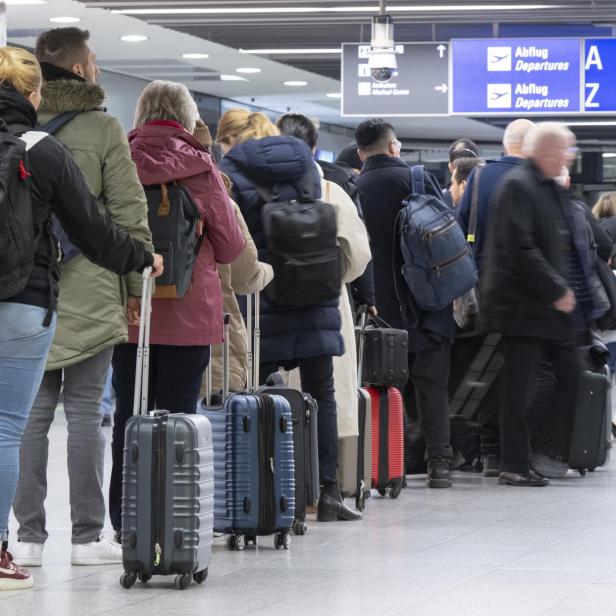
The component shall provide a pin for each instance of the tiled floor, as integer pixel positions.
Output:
(476, 549)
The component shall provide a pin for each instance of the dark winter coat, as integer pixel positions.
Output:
(57, 185)
(384, 183)
(287, 333)
(489, 183)
(525, 264)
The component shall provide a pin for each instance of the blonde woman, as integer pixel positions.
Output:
(29, 287)
(605, 211)
(304, 337)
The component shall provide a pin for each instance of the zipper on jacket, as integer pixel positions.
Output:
(445, 264)
(384, 438)
(430, 235)
(158, 495)
(267, 427)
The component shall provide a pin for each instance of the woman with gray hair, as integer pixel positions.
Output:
(165, 151)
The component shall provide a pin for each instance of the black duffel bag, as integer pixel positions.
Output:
(386, 354)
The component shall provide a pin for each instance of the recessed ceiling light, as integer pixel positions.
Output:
(334, 95)
(609, 154)
(65, 20)
(196, 56)
(232, 78)
(404, 8)
(248, 70)
(133, 38)
(291, 51)
(295, 83)
(608, 123)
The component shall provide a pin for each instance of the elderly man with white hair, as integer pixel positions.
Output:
(484, 184)
(526, 289)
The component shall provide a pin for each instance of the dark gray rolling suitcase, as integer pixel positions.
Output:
(167, 486)
(592, 422)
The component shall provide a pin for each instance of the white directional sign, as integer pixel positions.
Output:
(419, 86)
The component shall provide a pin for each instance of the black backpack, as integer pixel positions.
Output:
(17, 239)
(302, 240)
(175, 223)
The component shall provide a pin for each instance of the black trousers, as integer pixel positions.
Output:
(176, 373)
(429, 379)
(523, 357)
(317, 376)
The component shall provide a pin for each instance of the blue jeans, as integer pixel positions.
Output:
(24, 345)
(108, 401)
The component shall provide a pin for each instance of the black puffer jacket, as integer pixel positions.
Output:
(524, 265)
(57, 185)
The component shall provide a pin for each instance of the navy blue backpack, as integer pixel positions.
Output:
(438, 265)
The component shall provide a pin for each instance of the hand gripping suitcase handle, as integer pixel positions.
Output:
(140, 403)
(363, 319)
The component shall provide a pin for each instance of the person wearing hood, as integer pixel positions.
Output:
(305, 337)
(50, 182)
(182, 330)
(92, 312)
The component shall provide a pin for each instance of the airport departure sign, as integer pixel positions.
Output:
(502, 76)
(518, 77)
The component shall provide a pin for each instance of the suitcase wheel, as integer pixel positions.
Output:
(300, 527)
(360, 502)
(182, 581)
(382, 491)
(236, 542)
(128, 579)
(282, 541)
(144, 578)
(200, 576)
(582, 472)
(395, 490)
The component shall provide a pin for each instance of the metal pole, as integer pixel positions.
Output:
(382, 7)
(2, 24)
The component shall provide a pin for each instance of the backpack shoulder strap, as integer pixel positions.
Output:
(474, 211)
(59, 122)
(418, 183)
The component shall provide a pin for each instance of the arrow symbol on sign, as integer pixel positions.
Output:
(441, 50)
(442, 88)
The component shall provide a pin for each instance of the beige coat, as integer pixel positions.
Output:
(244, 276)
(353, 239)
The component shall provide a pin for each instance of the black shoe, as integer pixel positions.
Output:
(331, 506)
(438, 473)
(491, 465)
(529, 480)
(106, 421)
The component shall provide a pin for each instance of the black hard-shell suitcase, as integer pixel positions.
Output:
(254, 487)
(592, 422)
(305, 448)
(167, 486)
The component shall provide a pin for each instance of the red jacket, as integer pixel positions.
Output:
(164, 151)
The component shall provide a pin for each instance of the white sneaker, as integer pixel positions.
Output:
(100, 552)
(28, 554)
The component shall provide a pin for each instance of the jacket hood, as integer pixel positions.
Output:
(15, 108)
(166, 153)
(273, 159)
(71, 95)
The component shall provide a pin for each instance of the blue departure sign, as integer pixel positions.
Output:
(516, 76)
(599, 75)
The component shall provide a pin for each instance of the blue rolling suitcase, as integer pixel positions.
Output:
(167, 486)
(254, 478)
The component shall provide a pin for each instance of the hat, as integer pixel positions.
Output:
(348, 156)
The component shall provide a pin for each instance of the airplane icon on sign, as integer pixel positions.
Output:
(499, 96)
(499, 58)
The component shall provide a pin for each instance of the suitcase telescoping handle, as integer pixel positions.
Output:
(140, 403)
(254, 339)
(225, 365)
(363, 319)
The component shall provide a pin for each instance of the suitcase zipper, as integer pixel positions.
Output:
(158, 497)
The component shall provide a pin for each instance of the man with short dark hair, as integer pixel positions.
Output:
(92, 311)
(462, 168)
(385, 181)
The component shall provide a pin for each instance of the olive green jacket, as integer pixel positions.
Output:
(91, 309)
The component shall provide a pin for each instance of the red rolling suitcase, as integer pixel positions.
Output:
(387, 440)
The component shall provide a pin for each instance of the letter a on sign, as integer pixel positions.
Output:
(593, 58)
